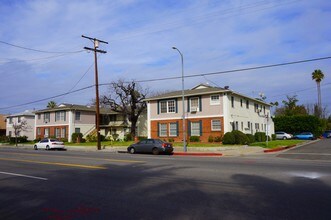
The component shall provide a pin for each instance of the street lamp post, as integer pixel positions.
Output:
(183, 102)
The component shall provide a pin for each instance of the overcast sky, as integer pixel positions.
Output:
(42, 56)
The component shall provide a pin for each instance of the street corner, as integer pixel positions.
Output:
(279, 148)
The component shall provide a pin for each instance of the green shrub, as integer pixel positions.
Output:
(171, 140)
(21, 139)
(260, 137)
(210, 139)
(229, 138)
(218, 139)
(251, 138)
(194, 139)
(273, 136)
(142, 138)
(128, 137)
(240, 137)
(94, 138)
(75, 136)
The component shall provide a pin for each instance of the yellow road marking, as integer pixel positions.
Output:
(76, 157)
(57, 164)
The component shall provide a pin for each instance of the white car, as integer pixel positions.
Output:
(283, 135)
(49, 143)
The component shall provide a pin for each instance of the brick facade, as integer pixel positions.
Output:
(52, 132)
(205, 129)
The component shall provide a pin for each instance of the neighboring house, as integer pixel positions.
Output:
(2, 125)
(13, 119)
(66, 119)
(209, 111)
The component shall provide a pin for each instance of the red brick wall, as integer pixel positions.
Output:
(206, 129)
(51, 131)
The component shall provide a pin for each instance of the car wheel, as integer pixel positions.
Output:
(35, 147)
(132, 150)
(47, 147)
(155, 151)
(284, 138)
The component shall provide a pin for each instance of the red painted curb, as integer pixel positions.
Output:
(197, 154)
(278, 149)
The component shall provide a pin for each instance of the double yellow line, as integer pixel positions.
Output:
(67, 164)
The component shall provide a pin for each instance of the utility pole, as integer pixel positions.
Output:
(97, 116)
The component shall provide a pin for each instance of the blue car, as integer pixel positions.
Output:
(327, 134)
(304, 136)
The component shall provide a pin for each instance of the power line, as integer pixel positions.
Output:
(187, 76)
(40, 51)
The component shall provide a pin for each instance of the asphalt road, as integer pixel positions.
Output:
(98, 185)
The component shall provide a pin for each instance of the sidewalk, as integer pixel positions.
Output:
(191, 151)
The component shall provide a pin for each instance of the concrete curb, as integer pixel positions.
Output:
(197, 154)
(279, 149)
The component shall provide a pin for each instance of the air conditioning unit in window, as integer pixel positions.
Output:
(194, 109)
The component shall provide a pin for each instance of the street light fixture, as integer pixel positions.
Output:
(183, 116)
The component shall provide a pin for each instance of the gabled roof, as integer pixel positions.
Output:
(201, 89)
(25, 113)
(66, 106)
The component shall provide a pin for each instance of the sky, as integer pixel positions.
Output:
(42, 54)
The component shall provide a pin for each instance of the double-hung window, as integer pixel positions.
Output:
(215, 125)
(168, 106)
(215, 100)
(194, 104)
(77, 116)
(173, 129)
(162, 130)
(60, 116)
(195, 128)
(47, 117)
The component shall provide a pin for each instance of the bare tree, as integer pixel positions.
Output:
(19, 127)
(126, 98)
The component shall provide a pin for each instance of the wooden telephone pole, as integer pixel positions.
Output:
(97, 116)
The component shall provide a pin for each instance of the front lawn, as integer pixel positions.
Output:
(277, 143)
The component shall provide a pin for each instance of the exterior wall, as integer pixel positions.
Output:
(2, 125)
(52, 129)
(206, 127)
(29, 131)
(142, 125)
(259, 119)
(207, 110)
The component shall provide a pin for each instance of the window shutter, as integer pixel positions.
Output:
(65, 116)
(158, 107)
(176, 104)
(55, 115)
(188, 128)
(188, 104)
(158, 129)
(200, 104)
(177, 129)
(200, 128)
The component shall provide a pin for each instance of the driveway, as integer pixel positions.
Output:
(318, 150)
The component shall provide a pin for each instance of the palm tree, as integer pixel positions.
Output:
(318, 76)
(51, 104)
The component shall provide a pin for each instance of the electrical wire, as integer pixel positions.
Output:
(171, 78)
(36, 50)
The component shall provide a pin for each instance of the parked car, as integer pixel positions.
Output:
(154, 146)
(304, 136)
(283, 135)
(327, 134)
(49, 143)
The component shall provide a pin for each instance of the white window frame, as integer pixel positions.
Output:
(167, 105)
(195, 128)
(213, 128)
(215, 101)
(173, 130)
(198, 103)
(163, 130)
(60, 116)
(77, 116)
(63, 132)
(46, 132)
(38, 131)
(57, 132)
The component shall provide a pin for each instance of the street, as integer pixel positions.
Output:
(293, 184)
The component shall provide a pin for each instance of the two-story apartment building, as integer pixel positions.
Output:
(15, 119)
(209, 111)
(66, 119)
(2, 125)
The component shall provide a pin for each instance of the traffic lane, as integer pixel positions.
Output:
(317, 151)
(145, 191)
